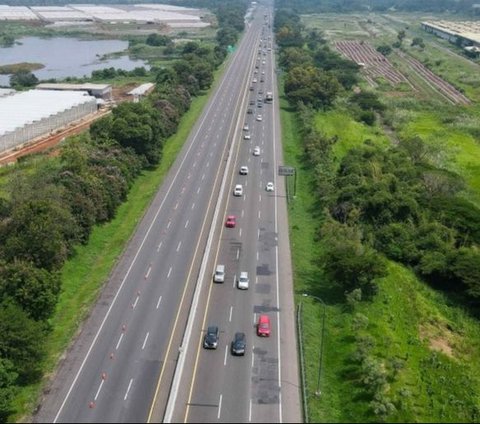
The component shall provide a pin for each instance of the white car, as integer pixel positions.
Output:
(242, 283)
(247, 137)
(259, 117)
(244, 170)
(263, 63)
(263, 72)
(270, 187)
(245, 127)
(256, 151)
(238, 190)
(255, 80)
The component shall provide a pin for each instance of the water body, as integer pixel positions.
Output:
(66, 57)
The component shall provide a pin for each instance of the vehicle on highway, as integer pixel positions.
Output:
(238, 190)
(251, 88)
(250, 111)
(247, 137)
(260, 104)
(231, 221)
(243, 281)
(270, 187)
(254, 80)
(245, 127)
(244, 170)
(219, 275)
(210, 340)
(262, 79)
(263, 62)
(263, 326)
(259, 118)
(251, 102)
(263, 72)
(260, 91)
(239, 344)
(256, 151)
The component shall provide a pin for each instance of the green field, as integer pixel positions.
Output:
(420, 340)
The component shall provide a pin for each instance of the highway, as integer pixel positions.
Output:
(120, 367)
(261, 386)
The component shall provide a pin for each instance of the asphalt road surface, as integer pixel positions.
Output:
(120, 367)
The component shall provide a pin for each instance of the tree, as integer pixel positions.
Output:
(418, 41)
(35, 290)
(384, 49)
(41, 231)
(466, 268)
(21, 341)
(347, 261)
(23, 79)
(8, 376)
(311, 86)
(401, 36)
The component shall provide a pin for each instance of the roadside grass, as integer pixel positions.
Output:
(433, 342)
(460, 149)
(84, 275)
(350, 133)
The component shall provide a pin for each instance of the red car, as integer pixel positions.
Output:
(263, 326)
(231, 221)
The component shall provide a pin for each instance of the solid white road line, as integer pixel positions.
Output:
(226, 354)
(230, 317)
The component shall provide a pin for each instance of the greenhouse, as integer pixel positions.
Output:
(30, 114)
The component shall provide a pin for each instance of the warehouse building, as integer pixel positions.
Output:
(141, 91)
(27, 115)
(461, 33)
(100, 91)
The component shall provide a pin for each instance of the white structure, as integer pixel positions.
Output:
(141, 90)
(16, 13)
(30, 114)
(467, 32)
(142, 13)
(6, 91)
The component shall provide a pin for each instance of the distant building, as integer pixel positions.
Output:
(465, 33)
(141, 90)
(27, 115)
(100, 91)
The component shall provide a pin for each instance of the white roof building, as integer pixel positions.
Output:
(30, 114)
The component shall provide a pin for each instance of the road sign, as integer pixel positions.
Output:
(286, 171)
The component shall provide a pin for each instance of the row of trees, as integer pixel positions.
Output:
(315, 75)
(49, 209)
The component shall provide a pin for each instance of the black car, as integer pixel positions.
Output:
(250, 111)
(211, 338)
(252, 102)
(239, 344)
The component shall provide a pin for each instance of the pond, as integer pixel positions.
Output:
(66, 57)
